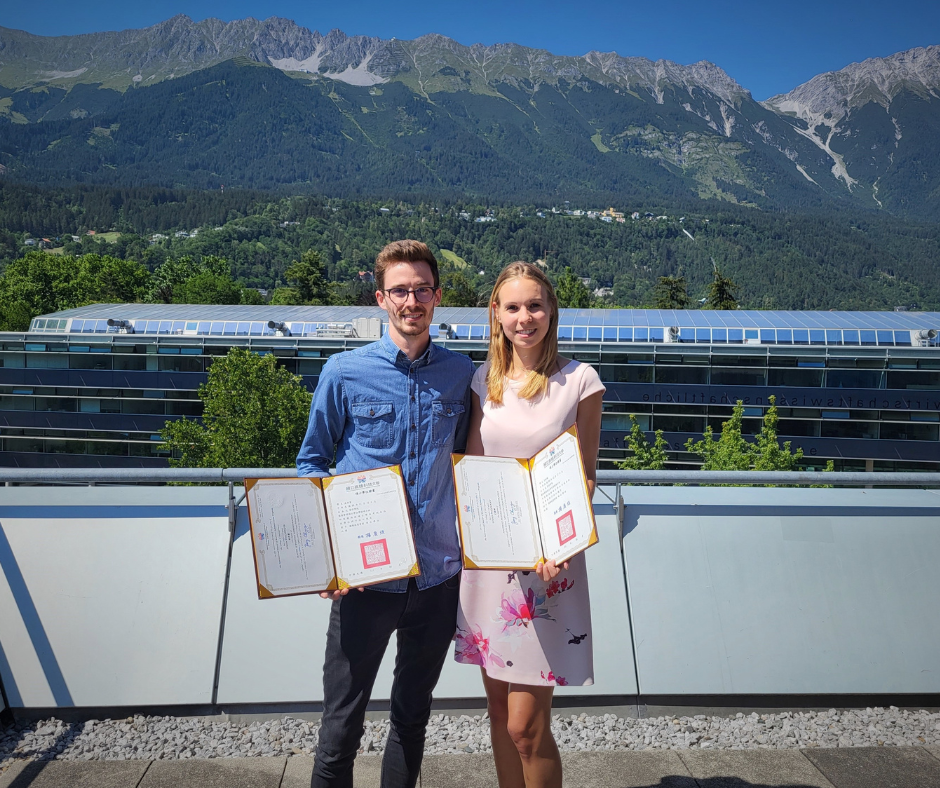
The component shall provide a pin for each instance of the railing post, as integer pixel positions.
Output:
(618, 505)
(231, 507)
(232, 513)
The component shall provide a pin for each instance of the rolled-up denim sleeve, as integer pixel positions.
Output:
(326, 423)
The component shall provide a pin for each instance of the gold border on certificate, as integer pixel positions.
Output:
(370, 527)
(485, 514)
(289, 537)
(495, 511)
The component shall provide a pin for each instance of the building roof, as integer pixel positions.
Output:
(592, 325)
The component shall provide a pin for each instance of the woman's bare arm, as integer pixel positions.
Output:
(589, 434)
(474, 439)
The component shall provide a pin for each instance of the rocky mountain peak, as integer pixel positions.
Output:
(832, 95)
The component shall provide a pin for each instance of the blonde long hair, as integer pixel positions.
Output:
(500, 352)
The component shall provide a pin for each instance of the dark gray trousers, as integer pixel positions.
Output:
(361, 624)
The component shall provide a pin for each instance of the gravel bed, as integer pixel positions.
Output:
(160, 738)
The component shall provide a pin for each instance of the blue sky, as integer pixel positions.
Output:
(767, 47)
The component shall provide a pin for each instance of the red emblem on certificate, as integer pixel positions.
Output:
(565, 525)
(374, 554)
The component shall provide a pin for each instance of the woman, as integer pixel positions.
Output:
(528, 631)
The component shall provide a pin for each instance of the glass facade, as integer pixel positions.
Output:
(868, 400)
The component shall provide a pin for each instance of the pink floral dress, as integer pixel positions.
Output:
(516, 627)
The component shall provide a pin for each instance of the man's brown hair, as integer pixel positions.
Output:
(404, 252)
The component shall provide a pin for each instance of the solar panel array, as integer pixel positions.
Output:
(462, 323)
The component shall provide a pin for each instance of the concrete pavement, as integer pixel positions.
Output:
(857, 767)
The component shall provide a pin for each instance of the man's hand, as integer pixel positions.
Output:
(546, 571)
(334, 595)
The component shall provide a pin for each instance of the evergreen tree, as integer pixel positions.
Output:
(255, 416)
(307, 277)
(456, 290)
(355, 293)
(722, 292)
(644, 457)
(671, 292)
(571, 291)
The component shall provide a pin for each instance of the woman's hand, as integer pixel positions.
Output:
(549, 569)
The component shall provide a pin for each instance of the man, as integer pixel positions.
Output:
(399, 401)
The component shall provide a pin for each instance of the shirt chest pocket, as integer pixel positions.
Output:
(444, 419)
(375, 424)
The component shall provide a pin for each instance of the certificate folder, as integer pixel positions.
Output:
(310, 535)
(514, 513)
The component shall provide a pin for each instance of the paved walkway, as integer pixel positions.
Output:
(862, 767)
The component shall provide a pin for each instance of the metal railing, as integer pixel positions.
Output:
(12, 476)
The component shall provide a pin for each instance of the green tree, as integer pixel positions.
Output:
(354, 293)
(730, 452)
(39, 283)
(250, 295)
(769, 455)
(168, 279)
(307, 277)
(671, 292)
(456, 290)
(285, 296)
(207, 288)
(722, 292)
(644, 456)
(571, 291)
(733, 452)
(254, 416)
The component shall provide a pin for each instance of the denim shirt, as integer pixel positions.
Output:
(377, 407)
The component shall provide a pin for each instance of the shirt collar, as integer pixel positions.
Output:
(393, 352)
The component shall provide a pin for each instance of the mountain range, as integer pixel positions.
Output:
(272, 105)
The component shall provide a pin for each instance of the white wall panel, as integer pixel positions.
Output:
(272, 650)
(110, 596)
(784, 591)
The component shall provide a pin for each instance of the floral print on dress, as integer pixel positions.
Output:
(519, 608)
(557, 588)
(543, 635)
(474, 649)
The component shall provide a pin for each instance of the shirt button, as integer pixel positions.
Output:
(413, 427)
(412, 482)
(371, 412)
(411, 454)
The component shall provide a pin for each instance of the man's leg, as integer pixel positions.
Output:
(361, 624)
(425, 633)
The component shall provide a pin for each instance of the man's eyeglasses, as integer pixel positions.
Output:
(399, 294)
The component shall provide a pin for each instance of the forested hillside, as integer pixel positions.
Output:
(781, 261)
(240, 124)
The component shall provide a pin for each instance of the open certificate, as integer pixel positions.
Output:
(310, 534)
(514, 513)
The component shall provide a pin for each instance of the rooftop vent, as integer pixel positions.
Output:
(280, 329)
(922, 337)
(123, 326)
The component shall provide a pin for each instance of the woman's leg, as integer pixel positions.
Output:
(530, 728)
(508, 764)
